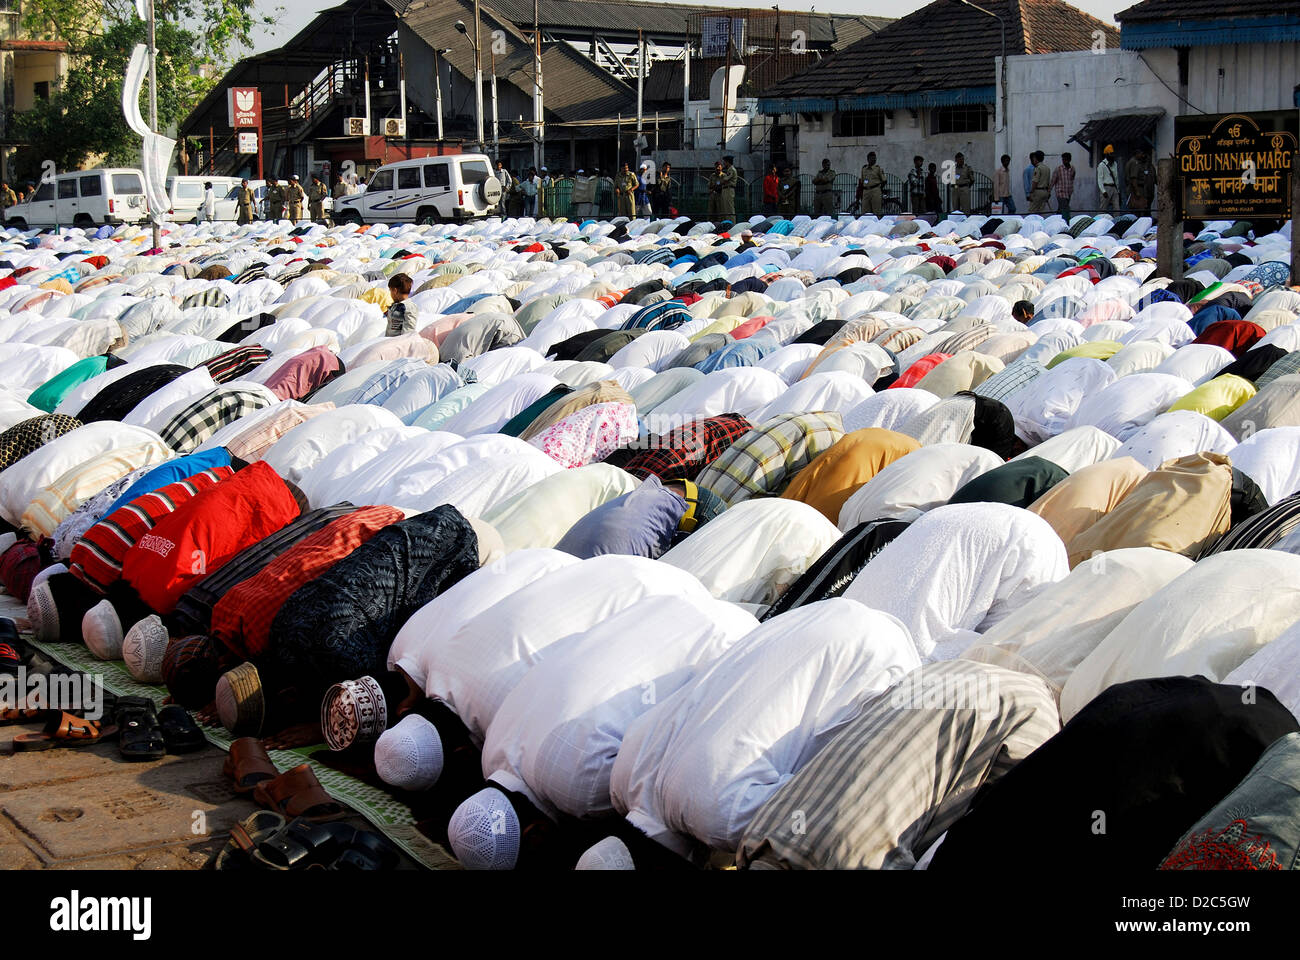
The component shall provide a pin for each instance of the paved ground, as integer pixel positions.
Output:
(86, 808)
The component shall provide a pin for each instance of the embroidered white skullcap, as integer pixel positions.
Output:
(42, 613)
(101, 629)
(409, 755)
(484, 832)
(143, 648)
(609, 854)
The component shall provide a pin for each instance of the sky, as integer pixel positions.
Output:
(295, 14)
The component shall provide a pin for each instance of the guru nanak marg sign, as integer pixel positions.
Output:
(1233, 167)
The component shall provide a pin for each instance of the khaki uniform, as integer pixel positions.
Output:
(727, 191)
(294, 196)
(340, 190)
(316, 195)
(965, 180)
(1039, 188)
(1141, 184)
(10, 198)
(245, 201)
(873, 184)
(275, 202)
(824, 193)
(625, 190)
(787, 192)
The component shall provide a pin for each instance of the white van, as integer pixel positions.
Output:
(186, 195)
(84, 198)
(455, 187)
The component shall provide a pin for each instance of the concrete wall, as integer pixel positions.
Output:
(1051, 96)
(894, 150)
(30, 68)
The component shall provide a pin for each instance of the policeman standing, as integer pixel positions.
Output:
(872, 186)
(787, 191)
(316, 195)
(274, 200)
(294, 196)
(824, 191)
(727, 189)
(244, 199)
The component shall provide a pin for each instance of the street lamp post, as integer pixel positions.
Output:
(478, 74)
(1006, 136)
(153, 99)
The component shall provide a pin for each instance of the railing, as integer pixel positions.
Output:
(691, 197)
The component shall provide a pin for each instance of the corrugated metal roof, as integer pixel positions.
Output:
(575, 88)
(1126, 128)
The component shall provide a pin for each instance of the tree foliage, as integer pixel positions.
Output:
(83, 117)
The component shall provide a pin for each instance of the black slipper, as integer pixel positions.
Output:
(179, 731)
(140, 736)
(367, 851)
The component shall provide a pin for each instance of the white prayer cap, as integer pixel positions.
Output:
(409, 755)
(484, 832)
(143, 648)
(48, 572)
(609, 854)
(101, 629)
(7, 540)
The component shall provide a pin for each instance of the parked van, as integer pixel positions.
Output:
(186, 195)
(456, 187)
(84, 198)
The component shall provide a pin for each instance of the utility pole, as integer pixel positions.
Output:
(153, 105)
(496, 139)
(478, 80)
(539, 122)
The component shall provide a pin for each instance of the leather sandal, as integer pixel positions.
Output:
(367, 851)
(302, 844)
(297, 793)
(179, 731)
(64, 729)
(141, 735)
(248, 764)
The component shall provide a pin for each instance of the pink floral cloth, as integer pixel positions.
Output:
(589, 435)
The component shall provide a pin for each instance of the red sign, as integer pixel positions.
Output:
(245, 107)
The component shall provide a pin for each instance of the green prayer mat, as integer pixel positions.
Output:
(385, 813)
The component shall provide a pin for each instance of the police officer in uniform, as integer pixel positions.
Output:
(294, 195)
(274, 200)
(316, 195)
(824, 191)
(870, 190)
(727, 189)
(787, 191)
(245, 201)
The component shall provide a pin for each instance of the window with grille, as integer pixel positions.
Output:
(958, 120)
(858, 123)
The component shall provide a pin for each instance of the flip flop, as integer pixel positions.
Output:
(248, 764)
(64, 729)
(179, 731)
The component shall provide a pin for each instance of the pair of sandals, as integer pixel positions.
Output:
(294, 794)
(143, 733)
(268, 841)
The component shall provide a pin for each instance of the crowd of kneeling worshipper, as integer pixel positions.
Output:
(857, 543)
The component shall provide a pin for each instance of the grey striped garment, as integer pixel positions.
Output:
(903, 771)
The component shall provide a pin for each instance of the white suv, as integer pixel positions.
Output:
(456, 187)
(85, 198)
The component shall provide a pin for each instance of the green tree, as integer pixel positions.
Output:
(83, 117)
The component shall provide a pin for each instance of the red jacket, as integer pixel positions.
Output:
(770, 191)
(201, 535)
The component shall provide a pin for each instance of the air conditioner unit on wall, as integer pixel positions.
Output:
(356, 127)
(394, 127)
